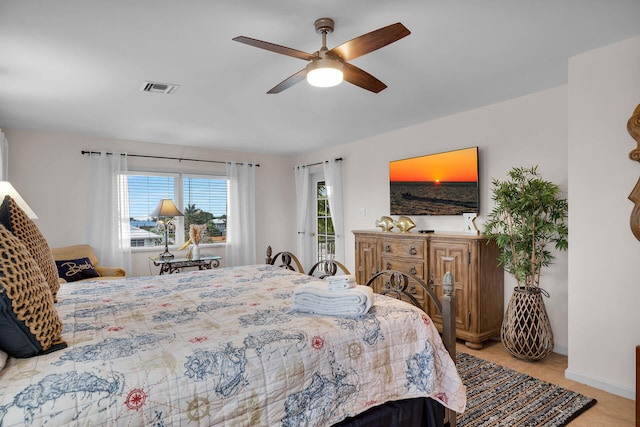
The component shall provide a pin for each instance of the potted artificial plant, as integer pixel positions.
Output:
(528, 218)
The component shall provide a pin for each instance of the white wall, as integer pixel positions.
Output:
(51, 174)
(604, 282)
(526, 131)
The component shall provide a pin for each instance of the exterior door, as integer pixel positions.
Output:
(324, 234)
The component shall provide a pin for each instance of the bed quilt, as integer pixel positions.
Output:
(222, 347)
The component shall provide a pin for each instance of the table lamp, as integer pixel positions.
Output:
(6, 189)
(166, 209)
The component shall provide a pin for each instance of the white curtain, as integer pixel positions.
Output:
(333, 182)
(107, 227)
(241, 218)
(4, 158)
(304, 247)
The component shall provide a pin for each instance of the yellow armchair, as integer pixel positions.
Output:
(85, 251)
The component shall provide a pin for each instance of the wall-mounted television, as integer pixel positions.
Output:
(435, 184)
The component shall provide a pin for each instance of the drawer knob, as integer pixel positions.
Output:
(388, 266)
(412, 250)
(387, 248)
(412, 270)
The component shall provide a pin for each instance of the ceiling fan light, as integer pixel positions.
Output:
(324, 73)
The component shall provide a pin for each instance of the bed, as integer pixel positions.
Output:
(224, 347)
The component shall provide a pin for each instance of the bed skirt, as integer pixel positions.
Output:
(418, 412)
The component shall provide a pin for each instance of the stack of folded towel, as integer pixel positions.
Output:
(338, 283)
(334, 296)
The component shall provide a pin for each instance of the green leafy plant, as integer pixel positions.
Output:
(528, 217)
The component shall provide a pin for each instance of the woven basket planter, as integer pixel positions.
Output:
(526, 331)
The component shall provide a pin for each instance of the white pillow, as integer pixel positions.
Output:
(3, 359)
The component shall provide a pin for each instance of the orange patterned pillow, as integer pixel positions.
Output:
(18, 223)
(28, 318)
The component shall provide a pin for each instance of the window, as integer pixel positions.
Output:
(135, 243)
(202, 199)
(325, 235)
(205, 202)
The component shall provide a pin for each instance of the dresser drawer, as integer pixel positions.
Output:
(406, 266)
(403, 248)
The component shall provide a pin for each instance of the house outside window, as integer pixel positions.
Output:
(205, 202)
(202, 199)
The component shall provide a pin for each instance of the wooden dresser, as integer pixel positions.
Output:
(472, 261)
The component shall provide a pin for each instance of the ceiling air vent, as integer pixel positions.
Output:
(156, 87)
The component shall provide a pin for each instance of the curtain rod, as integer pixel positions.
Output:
(337, 159)
(180, 159)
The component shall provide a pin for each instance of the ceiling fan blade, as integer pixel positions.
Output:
(275, 48)
(361, 78)
(289, 81)
(371, 41)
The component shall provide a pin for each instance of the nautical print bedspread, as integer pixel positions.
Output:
(222, 347)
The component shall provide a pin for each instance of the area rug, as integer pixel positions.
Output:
(498, 396)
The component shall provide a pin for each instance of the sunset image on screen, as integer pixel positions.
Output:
(435, 184)
(453, 166)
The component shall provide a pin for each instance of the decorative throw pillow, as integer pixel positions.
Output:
(28, 318)
(72, 270)
(18, 223)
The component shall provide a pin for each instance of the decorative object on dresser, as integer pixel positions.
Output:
(469, 223)
(472, 260)
(166, 209)
(633, 126)
(528, 217)
(385, 223)
(404, 224)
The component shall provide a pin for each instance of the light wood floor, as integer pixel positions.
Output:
(611, 410)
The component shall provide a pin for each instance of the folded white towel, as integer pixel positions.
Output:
(340, 286)
(315, 297)
(341, 278)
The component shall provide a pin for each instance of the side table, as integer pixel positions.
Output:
(175, 265)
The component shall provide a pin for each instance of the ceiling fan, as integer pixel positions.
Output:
(329, 67)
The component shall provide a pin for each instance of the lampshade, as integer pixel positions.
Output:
(166, 207)
(324, 72)
(6, 189)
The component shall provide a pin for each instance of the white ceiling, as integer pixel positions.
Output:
(77, 65)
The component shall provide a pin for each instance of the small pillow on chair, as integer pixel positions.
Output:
(73, 270)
